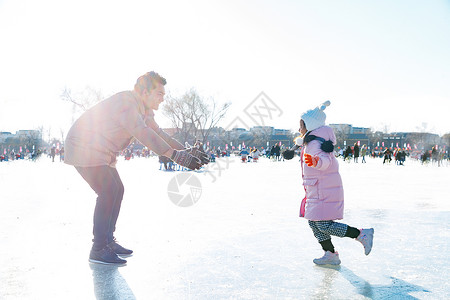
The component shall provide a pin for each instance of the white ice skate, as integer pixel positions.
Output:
(329, 258)
(366, 239)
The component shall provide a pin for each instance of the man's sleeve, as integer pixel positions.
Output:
(150, 122)
(130, 119)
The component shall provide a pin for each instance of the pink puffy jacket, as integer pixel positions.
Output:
(323, 185)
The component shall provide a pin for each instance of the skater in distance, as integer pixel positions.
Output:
(96, 138)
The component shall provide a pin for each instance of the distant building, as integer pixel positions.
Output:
(4, 135)
(359, 130)
(35, 134)
(21, 134)
(349, 129)
(22, 139)
(263, 130)
(344, 128)
(238, 130)
(257, 136)
(281, 132)
(347, 135)
(415, 140)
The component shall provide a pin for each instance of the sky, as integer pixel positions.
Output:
(382, 64)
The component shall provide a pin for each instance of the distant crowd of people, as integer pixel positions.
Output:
(399, 155)
(11, 154)
(355, 153)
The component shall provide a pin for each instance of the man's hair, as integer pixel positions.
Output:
(148, 82)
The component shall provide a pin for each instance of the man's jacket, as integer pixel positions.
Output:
(107, 128)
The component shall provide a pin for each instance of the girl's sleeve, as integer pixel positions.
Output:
(324, 158)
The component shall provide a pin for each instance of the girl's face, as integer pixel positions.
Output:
(302, 128)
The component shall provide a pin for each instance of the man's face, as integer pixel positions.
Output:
(154, 97)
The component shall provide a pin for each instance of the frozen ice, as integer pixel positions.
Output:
(242, 239)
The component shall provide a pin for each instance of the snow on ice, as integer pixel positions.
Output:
(242, 238)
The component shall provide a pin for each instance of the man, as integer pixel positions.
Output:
(96, 138)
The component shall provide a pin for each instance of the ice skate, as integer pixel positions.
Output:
(366, 239)
(329, 258)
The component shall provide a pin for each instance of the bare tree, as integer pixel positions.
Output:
(193, 116)
(341, 136)
(176, 110)
(81, 101)
(61, 130)
(423, 127)
(49, 133)
(446, 139)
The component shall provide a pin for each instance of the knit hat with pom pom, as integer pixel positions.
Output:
(315, 118)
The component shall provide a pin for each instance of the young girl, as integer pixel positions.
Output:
(324, 199)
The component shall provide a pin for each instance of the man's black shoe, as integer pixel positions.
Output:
(105, 256)
(119, 250)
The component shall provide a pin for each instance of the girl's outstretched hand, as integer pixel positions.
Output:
(311, 161)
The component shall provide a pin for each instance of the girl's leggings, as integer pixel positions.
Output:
(323, 230)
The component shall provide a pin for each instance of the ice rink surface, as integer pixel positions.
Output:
(243, 239)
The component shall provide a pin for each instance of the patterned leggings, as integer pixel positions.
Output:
(323, 230)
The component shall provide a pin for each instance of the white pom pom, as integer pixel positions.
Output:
(298, 141)
(325, 104)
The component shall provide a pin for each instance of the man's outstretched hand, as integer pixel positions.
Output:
(199, 153)
(183, 158)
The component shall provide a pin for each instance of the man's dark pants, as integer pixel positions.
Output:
(106, 183)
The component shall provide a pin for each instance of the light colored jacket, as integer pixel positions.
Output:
(107, 128)
(363, 151)
(323, 184)
(256, 154)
